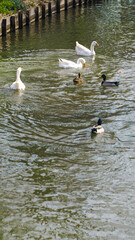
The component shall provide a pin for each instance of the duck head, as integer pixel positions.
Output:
(104, 77)
(99, 121)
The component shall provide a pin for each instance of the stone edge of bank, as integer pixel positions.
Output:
(20, 19)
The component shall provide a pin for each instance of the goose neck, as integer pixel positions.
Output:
(92, 48)
(18, 76)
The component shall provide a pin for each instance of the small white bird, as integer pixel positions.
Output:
(63, 63)
(83, 51)
(18, 84)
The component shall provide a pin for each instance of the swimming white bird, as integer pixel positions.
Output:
(18, 84)
(63, 63)
(98, 128)
(83, 51)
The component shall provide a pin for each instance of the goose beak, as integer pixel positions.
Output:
(97, 44)
(88, 64)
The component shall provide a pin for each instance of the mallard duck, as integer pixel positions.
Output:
(18, 84)
(83, 51)
(108, 84)
(98, 128)
(78, 79)
(63, 63)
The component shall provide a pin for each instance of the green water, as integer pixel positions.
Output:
(57, 181)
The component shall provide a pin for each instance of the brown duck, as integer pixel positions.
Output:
(78, 79)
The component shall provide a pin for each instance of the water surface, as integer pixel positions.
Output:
(58, 181)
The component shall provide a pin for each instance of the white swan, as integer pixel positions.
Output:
(18, 84)
(83, 51)
(63, 63)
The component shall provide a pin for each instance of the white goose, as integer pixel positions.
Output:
(18, 84)
(63, 63)
(83, 51)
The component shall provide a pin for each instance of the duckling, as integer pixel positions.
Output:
(98, 128)
(108, 84)
(78, 79)
(18, 84)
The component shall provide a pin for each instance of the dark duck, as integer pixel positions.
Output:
(98, 128)
(78, 79)
(108, 84)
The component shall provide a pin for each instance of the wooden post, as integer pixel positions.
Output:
(27, 17)
(20, 21)
(58, 6)
(74, 3)
(36, 14)
(12, 23)
(43, 11)
(66, 5)
(49, 9)
(4, 27)
(80, 2)
(85, 2)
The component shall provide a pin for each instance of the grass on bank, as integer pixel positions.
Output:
(8, 6)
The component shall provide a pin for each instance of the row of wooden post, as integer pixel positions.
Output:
(43, 14)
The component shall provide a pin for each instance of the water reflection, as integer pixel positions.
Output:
(58, 181)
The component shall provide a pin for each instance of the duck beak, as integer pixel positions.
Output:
(97, 44)
(88, 64)
(21, 69)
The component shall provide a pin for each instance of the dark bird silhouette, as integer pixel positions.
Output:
(108, 84)
(78, 79)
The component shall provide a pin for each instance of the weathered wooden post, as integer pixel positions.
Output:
(27, 17)
(85, 2)
(4, 27)
(58, 6)
(49, 9)
(80, 2)
(74, 3)
(66, 5)
(36, 14)
(12, 23)
(43, 11)
(20, 21)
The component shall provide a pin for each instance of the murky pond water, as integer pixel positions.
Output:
(57, 181)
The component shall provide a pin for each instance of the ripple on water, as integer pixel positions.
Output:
(59, 181)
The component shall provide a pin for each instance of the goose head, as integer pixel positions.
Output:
(82, 61)
(94, 43)
(19, 70)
